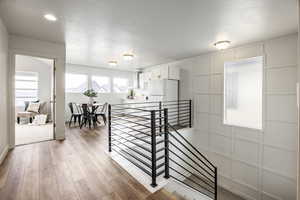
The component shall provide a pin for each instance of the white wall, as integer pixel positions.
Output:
(44, 69)
(3, 90)
(32, 47)
(255, 164)
(112, 98)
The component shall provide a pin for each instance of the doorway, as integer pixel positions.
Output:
(34, 99)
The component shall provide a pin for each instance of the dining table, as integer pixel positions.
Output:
(92, 109)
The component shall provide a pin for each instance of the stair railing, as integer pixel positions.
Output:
(146, 134)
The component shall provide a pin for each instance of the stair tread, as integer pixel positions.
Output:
(162, 194)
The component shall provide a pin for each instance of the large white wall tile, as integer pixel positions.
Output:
(246, 134)
(281, 80)
(281, 135)
(201, 84)
(220, 144)
(218, 59)
(201, 121)
(248, 51)
(246, 151)
(279, 186)
(202, 64)
(216, 126)
(282, 108)
(245, 174)
(202, 103)
(216, 84)
(216, 104)
(282, 51)
(283, 162)
(246, 191)
(223, 164)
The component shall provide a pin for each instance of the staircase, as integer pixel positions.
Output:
(151, 138)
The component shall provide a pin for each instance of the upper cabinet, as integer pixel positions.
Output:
(162, 72)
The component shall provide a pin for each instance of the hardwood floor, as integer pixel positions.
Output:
(74, 169)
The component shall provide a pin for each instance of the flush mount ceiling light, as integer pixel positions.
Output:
(50, 17)
(128, 56)
(113, 63)
(222, 44)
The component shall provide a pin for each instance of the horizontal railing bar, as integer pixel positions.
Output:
(129, 127)
(120, 118)
(191, 158)
(193, 148)
(160, 173)
(129, 113)
(160, 165)
(195, 174)
(191, 166)
(133, 162)
(159, 150)
(161, 157)
(135, 157)
(129, 108)
(188, 178)
(130, 131)
(138, 138)
(150, 102)
(191, 186)
(143, 117)
(136, 151)
(142, 147)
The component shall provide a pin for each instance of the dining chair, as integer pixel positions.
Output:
(87, 116)
(74, 115)
(102, 113)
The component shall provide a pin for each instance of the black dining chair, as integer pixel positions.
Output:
(102, 113)
(87, 116)
(74, 115)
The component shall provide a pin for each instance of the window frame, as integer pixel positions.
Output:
(87, 82)
(102, 76)
(113, 87)
(30, 98)
(262, 93)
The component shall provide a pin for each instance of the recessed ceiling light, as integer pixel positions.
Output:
(113, 63)
(50, 17)
(222, 44)
(128, 56)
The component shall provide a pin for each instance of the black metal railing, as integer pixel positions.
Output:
(146, 134)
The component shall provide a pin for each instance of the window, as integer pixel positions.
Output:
(120, 85)
(243, 93)
(101, 84)
(26, 87)
(76, 83)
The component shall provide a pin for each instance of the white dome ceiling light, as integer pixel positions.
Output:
(222, 44)
(128, 56)
(50, 17)
(113, 63)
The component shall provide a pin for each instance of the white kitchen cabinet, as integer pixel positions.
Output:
(174, 73)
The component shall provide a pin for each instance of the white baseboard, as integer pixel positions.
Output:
(3, 154)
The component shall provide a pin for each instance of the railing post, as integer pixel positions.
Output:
(109, 128)
(166, 135)
(190, 116)
(216, 183)
(153, 148)
(160, 121)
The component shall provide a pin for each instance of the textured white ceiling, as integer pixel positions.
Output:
(156, 31)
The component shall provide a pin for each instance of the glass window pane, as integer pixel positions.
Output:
(120, 85)
(243, 93)
(76, 83)
(26, 84)
(101, 84)
(26, 93)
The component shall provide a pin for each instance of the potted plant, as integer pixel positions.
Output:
(91, 94)
(131, 94)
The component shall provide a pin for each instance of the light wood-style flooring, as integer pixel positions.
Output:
(74, 169)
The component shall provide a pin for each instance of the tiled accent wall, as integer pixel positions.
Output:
(255, 164)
